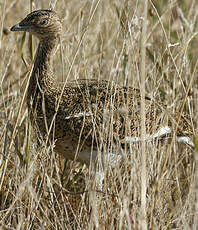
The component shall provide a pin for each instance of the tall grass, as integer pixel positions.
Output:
(102, 39)
(143, 118)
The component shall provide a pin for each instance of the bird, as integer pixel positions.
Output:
(87, 118)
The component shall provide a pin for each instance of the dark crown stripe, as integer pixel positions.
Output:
(38, 13)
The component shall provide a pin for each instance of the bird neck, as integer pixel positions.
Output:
(42, 75)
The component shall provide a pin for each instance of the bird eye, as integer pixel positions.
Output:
(43, 22)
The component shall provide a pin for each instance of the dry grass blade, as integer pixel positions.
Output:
(30, 40)
(143, 119)
(52, 4)
(21, 50)
(195, 224)
(196, 143)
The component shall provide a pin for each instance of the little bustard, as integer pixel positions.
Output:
(87, 116)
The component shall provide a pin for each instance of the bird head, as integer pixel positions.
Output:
(41, 23)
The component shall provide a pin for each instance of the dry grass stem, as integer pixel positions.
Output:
(143, 118)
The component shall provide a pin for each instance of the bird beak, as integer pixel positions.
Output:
(17, 27)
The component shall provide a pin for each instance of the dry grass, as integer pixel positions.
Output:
(38, 189)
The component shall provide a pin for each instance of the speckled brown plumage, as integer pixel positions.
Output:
(92, 115)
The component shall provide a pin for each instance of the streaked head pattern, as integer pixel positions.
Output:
(41, 23)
